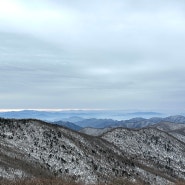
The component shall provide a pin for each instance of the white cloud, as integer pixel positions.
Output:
(107, 52)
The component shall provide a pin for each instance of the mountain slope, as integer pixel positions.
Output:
(60, 151)
(153, 148)
(64, 152)
(168, 126)
(94, 131)
(175, 119)
(96, 123)
(175, 129)
(17, 163)
(68, 125)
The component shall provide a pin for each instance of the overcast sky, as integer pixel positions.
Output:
(100, 54)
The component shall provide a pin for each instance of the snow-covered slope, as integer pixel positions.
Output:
(153, 148)
(175, 119)
(94, 131)
(59, 151)
(175, 129)
(64, 152)
(17, 163)
(168, 126)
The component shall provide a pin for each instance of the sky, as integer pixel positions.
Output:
(106, 54)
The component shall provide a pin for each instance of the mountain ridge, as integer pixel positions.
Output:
(75, 115)
(62, 151)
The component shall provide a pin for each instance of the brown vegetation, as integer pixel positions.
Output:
(53, 181)
(60, 181)
(180, 183)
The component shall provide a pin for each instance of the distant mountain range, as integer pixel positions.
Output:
(77, 115)
(97, 127)
(175, 125)
(131, 123)
(97, 123)
(78, 119)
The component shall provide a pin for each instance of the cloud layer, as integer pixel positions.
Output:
(100, 54)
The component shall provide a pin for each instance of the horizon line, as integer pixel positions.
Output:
(51, 110)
